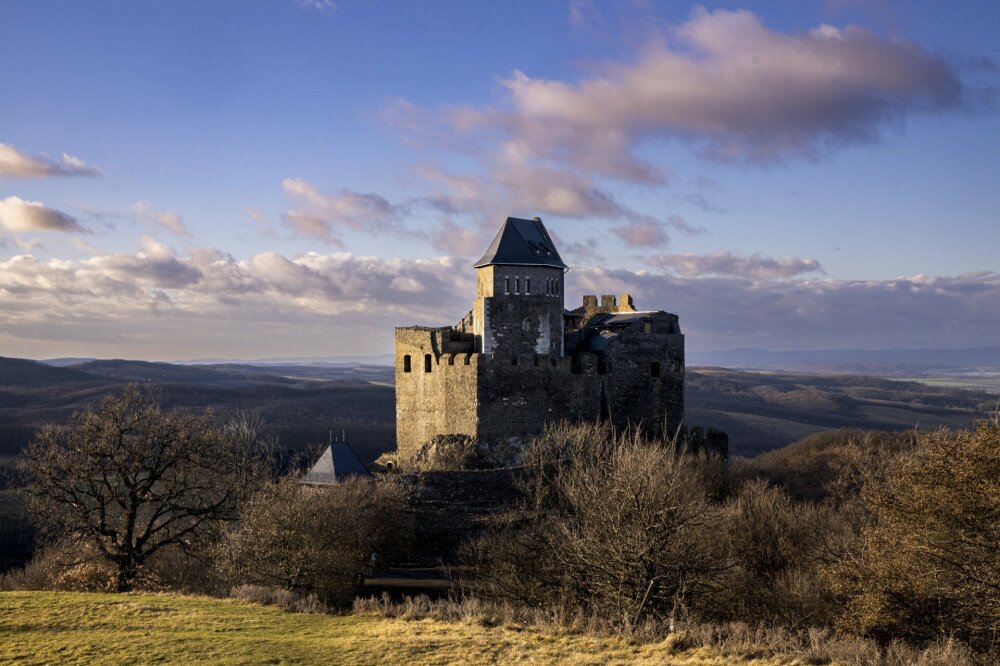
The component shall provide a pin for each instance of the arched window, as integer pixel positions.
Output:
(427, 362)
(406, 363)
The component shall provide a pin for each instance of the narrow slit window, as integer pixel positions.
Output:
(654, 369)
(406, 363)
(427, 362)
(527, 285)
(517, 285)
(506, 285)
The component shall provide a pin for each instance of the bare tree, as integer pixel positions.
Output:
(132, 479)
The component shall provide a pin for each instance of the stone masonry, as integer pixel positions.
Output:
(519, 359)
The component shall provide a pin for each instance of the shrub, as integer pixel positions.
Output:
(611, 524)
(314, 540)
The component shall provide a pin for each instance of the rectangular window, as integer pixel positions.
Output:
(654, 369)
(527, 285)
(427, 362)
(647, 327)
(506, 285)
(517, 285)
(406, 363)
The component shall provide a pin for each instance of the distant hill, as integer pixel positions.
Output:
(883, 362)
(22, 372)
(303, 403)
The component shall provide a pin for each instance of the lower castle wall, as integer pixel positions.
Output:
(494, 399)
(516, 401)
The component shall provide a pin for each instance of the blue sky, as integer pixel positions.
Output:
(284, 178)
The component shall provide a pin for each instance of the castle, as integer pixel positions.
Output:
(519, 359)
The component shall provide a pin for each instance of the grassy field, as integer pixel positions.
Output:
(84, 628)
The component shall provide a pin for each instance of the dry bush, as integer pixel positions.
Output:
(777, 549)
(611, 524)
(315, 540)
(732, 640)
(929, 560)
(79, 567)
(280, 597)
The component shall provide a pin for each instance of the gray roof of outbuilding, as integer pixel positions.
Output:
(522, 243)
(337, 461)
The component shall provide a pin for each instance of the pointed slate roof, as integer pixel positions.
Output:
(337, 461)
(522, 243)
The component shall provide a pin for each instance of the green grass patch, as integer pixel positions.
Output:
(86, 628)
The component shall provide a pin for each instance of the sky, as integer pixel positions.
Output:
(288, 178)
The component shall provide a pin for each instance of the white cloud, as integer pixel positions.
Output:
(721, 83)
(172, 222)
(16, 164)
(18, 215)
(737, 89)
(756, 266)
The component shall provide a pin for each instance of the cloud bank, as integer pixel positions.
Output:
(16, 164)
(342, 303)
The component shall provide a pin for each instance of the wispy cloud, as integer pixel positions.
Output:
(172, 222)
(755, 266)
(17, 164)
(321, 216)
(317, 5)
(19, 215)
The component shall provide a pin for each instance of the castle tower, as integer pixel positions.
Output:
(518, 309)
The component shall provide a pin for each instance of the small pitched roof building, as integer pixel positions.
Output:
(337, 462)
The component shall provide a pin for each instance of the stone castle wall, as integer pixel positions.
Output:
(638, 380)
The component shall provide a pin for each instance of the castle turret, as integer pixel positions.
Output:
(519, 293)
